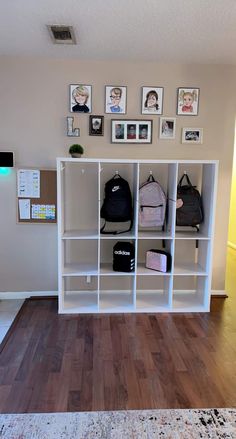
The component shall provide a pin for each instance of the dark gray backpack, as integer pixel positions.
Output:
(189, 210)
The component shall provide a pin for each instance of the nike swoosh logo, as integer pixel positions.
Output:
(115, 188)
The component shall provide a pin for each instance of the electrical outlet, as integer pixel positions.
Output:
(88, 279)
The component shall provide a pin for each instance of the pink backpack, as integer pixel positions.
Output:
(152, 204)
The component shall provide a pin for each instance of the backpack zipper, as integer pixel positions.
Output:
(146, 205)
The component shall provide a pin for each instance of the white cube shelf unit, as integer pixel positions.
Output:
(87, 282)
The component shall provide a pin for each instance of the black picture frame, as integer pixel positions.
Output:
(96, 125)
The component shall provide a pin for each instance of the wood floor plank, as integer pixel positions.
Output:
(54, 362)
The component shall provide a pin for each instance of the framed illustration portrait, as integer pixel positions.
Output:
(192, 135)
(167, 127)
(96, 125)
(188, 101)
(152, 100)
(80, 98)
(131, 131)
(115, 99)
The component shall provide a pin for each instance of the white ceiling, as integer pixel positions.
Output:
(185, 31)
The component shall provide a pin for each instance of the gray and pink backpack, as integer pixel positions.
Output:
(152, 204)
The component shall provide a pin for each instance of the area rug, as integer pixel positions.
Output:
(143, 424)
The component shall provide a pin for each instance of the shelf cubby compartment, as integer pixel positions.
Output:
(80, 257)
(81, 234)
(78, 295)
(117, 293)
(106, 258)
(189, 294)
(189, 260)
(79, 209)
(143, 247)
(202, 176)
(166, 175)
(153, 294)
(128, 171)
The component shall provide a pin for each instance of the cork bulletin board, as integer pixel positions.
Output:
(36, 196)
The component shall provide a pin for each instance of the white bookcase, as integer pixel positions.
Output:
(86, 280)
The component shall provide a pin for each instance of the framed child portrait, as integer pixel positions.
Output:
(167, 127)
(152, 100)
(80, 98)
(115, 99)
(131, 131)
(188, 101)
(96, 125)
(192, 135)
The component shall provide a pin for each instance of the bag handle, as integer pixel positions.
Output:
(182, 178)
(117, 175)
(150, 178)
(115, 232)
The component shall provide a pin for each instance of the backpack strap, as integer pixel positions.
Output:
(117, 175)
(150, 178)
(182, 178)
(115, 232)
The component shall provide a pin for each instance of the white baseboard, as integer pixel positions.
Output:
(218, 293)
(26, 294)
(231, 245)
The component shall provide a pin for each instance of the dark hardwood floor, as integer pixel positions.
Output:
(53, 363)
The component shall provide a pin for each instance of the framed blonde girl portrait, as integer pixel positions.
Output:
(188, 101)
(152, 100)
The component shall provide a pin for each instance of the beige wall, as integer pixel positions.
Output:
(33, 110)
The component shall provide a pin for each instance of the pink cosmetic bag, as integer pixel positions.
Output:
(158, 260)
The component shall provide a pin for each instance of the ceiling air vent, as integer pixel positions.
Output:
(61, 34)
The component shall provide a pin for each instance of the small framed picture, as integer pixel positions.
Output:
(152, 100)
(131, 131)
(167, 127)
(188, 101)
(115, 99)
(192, 135)
(96, 125)
(80, 98)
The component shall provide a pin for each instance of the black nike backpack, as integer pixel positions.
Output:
(117, 204)
(189, 211)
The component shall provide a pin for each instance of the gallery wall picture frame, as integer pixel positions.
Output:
(167, 128)
(188, 101)
(96, 125)
(192, 135)
(80, 98)
(71, 131)
(152, 100)
(115, 99)
(131, 131)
